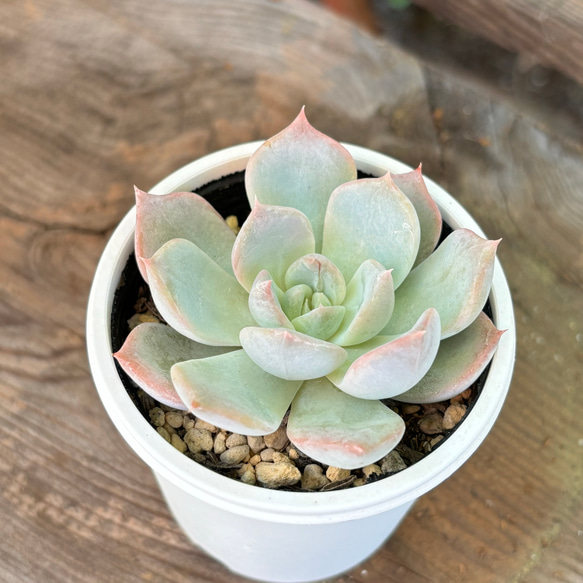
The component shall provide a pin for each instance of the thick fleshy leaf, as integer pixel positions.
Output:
(291, 355)
(380, 372)
(414, 188)
(264, 303)
(339, 430)
(294, 300)
(271, 238)
(150, 351)
(369, 304)
(460, 360)
(455, 279)
(196, 296)
(320, 322)
(180, 215)
(232, 392)
(320, 274)
(371, 219)
(299, 167)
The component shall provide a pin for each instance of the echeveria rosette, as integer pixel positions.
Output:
(330, 299)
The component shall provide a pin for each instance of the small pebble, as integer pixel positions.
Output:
(436, 440)
(267, 454)
(280, 458)
(174, 419)
(220, 444)
(359, 482)
(157, 417)
(392, 463)
(244, 468)
(200, 424)
(277, 439)
(371, 469)
(335, 474)
(235, 439)
(277, 475)
(198, 440)
(255, 459)
(249, 477)
(235, 455)
(293, 454)
(164, 433)
(313, 477)
(169, 428)
(409, 409)
(453, 415)
(187, 422)
(178, 443)
(431, 424)
(256, 444)
(466, 394)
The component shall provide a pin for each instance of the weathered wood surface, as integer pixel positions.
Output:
(98, 96)
(549, 31)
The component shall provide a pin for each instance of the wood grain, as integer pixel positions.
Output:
(550, 32)
(98, 96)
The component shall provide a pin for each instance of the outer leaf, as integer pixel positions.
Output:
(180, 215)
(371, 219)
(291, 355)
(232, 392)
(388, 370)
(455, 279)
(196, 296)
(271, 238)
(460, 360)
(413, 186)
(320, 322)
(369, 304)
(320, 274)
(339, 430)
(148, 354)
(299, 167)
(264, 303)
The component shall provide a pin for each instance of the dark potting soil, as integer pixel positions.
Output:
(425, 429)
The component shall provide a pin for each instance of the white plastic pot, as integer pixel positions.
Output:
(274, 535)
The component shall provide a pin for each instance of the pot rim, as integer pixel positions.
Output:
(276, 505)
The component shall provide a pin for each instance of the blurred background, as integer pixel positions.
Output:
(97, 96)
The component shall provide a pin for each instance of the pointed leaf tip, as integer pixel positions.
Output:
(299, 168)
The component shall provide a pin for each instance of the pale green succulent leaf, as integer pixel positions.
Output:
(320, 322)
(195, 296)
(299, 167)
(180, 215)
(455, 279)
(271, 238)
(232, 392)
(369, 304)
(264, 302)
(339, 430)
(150, 351)
(294, 300)
(320, 299)
(371, 219)
(461, 359)
(289, 354)
(415, 189)
(395, 366)
(320, 274)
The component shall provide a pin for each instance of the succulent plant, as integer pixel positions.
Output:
(332, 297)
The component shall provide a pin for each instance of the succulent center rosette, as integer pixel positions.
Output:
(331, 298)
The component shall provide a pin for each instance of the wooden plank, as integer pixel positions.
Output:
(549, 32)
